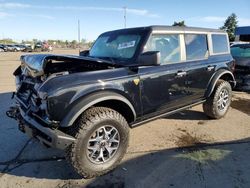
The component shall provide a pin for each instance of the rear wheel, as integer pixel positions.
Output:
(102, 136)
(217, 105)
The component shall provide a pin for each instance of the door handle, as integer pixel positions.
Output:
(181, 74)
(210, 67)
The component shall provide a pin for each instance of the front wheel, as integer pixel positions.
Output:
(102, 136)
(217, 105)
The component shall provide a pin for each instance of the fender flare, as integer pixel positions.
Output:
(216, 77)
(91, 100)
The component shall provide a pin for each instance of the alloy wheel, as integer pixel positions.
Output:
(103, 144)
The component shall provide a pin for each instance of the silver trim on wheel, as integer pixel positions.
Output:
(223, 100)
(103, 144)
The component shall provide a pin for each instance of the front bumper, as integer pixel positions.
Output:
(48, 136)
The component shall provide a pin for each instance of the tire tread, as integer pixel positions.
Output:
(84, 123)
(209, 107)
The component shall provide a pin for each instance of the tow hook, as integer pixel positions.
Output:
(13, 112)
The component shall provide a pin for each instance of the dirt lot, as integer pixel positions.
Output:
(183, 150)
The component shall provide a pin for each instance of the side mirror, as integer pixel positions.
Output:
(84, 53)
(149, 58)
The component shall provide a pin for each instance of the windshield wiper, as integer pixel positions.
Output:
(108, 58)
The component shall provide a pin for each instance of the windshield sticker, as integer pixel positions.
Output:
(126, 45)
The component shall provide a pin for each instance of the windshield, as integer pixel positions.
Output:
(114, 45)
(241, 51)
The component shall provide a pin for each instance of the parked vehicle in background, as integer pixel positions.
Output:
(28, 48)
(50, 49)
(238, 42)
(86, 104)
(3, 47)
(38, 47)
(241, 54)
(21, 47)
(17, 48)
(10, 48)
(42, 47)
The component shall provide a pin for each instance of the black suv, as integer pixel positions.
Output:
(86, 104)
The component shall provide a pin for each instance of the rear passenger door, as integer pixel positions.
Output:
(199, 66)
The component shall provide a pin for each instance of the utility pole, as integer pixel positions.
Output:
(79, 36)
(125, 16)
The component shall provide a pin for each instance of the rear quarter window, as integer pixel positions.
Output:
(220, 43)
(196, 46)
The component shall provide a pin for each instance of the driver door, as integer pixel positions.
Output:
(163, 88)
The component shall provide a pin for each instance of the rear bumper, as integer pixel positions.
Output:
(48, 136)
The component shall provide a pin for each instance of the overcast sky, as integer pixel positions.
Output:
(57, 19)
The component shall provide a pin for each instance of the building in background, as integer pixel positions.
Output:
(242, 34)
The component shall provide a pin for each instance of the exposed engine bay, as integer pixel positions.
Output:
(43, 65)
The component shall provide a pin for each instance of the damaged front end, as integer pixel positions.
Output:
(49, 136)
(31, 107)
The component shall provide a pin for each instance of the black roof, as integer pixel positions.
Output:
(168, 28)
(183, 28)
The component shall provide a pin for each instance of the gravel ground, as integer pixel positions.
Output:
(183, 150)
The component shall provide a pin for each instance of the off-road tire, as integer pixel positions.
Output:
(85, 126)
(210, 107)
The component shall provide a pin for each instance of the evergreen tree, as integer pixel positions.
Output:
(230, 25)
(181, 23)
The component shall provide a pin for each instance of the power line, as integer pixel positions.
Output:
(79, 35)
(125, 16)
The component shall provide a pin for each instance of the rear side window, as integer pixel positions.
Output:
(196, 46)
(220, 43)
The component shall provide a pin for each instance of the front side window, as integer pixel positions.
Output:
(168, 45)
(196, 46)
(120, 46)
(220, 43)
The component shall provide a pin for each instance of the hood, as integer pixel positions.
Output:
(36, 63)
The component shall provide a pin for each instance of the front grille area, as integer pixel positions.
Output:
(28, 96)
(30, 103)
